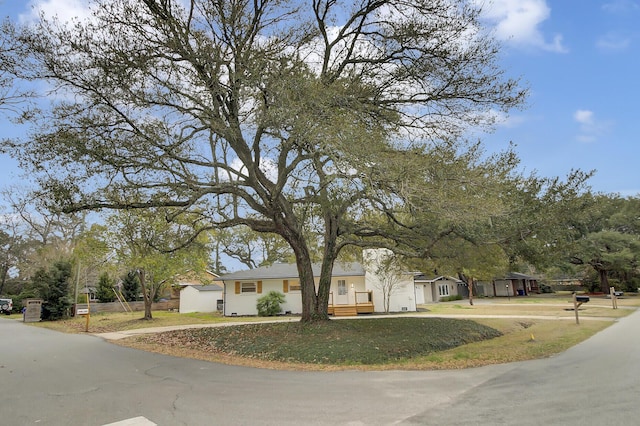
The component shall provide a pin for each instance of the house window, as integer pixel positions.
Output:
(248, 288)
(342, 287)
(294, 286)
(443, 289)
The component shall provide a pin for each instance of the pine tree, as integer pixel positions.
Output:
(104, 292)
(130, 286)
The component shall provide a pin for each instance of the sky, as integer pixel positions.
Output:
(580, 60)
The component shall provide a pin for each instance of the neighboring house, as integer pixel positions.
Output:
(91, 291)
(353, 290)
(191, 278)
(513, 284)
(432, 289)
(201, 298)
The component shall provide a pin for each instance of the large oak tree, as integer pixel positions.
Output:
(287, 117)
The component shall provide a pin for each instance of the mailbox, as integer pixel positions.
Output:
(582, 299)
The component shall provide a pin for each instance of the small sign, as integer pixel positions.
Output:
(84, 311)
(33, 310)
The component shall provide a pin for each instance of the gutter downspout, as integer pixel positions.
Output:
(224, 298)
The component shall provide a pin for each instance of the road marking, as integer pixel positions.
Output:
(135, 421)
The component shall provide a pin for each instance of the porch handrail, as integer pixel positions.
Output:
(369, 294)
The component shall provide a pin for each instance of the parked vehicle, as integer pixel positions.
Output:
(6, 306)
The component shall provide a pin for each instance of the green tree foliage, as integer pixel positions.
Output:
(610, 242)
(545, 217)
(269, 305)
(55, 286)
(104, 291)
(91, 254)
(289, 118)
(11, 94)
(12, 249)
(156, 248)
(130, 286)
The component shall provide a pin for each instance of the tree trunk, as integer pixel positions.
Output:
(307, 288)
(305, 273)
(3, 280)
(314, 303)
(387, 299)
(471, 291)
(604, 280)
(324, 288)
(330, 254)
(146, 295)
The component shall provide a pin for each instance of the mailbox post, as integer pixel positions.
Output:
(86, 313)
(614, 298)
(577, 302)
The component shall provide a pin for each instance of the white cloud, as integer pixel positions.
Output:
(621, 6)
(65, 10)
(503, 119)
(517, 22)
(613, 42)
(590, 129)
(268, 167)
(583, 116)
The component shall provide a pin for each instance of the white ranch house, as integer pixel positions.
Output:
(354, 289)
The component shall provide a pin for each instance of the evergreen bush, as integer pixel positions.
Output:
(269, 304)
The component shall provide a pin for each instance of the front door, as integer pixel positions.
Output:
(420, 294)
(343, 294)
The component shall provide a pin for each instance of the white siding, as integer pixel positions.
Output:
(246, 303)
(193, 300)
(402, 297)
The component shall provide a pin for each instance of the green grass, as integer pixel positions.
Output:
(343, 342)
(370, 343)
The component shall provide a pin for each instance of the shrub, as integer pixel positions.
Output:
(269, 304)
(56, 300)
(451, 298)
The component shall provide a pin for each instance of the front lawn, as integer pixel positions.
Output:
(336, 342)
(366, 343)
(384, 343)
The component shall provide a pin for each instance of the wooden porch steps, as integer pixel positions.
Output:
(345, 310)
(365, 308)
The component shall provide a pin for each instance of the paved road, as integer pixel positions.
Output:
(594, 383)
(50, 378)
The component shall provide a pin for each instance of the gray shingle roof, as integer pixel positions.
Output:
(211, 287)
(433, 278)
(289, 270)
(519, 276)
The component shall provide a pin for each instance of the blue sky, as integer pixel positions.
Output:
(581, 62)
